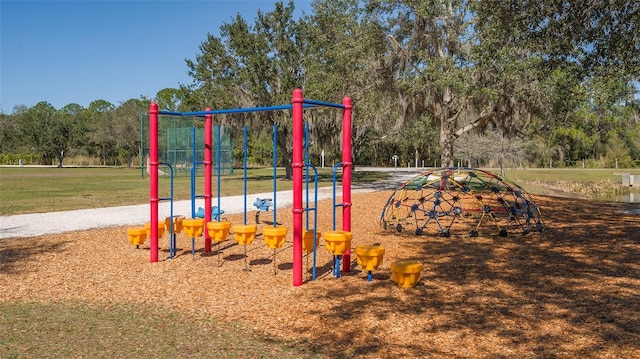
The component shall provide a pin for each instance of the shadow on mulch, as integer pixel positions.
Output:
(570, 291)
(573, 289)
(15, 259)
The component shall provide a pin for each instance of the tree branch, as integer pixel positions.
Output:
(475, 124)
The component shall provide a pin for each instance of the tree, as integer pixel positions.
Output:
(47, 132)
(251, 66)
(442, 67)
(169, 99)
(469, 64)
(344, 55)
(595, 34)
(101, 129)
(75, 134)
(9, 133)
(214, 75)
(617, 152)
(127, 128)
(590, 49)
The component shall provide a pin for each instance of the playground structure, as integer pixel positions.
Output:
(444, 200)
(245, 233)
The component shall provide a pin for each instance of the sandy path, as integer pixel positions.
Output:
(30, 225)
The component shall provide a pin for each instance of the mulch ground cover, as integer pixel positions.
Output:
(570, 291)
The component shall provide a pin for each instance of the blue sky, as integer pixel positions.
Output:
(67, 52)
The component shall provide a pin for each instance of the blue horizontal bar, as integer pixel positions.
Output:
(170, 113)
(320, 103)
(235, 110)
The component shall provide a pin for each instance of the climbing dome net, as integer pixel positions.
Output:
(471, 200)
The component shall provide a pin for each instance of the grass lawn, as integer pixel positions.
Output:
(47, 189)
(599, 184)
(89, 330)
(552, 175)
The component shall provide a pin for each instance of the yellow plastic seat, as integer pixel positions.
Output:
(137, 235)
(274, 237)
(177, 223)
(193, 227)
(218, 231)
(406, 273)
(337, 242)
(369, 257)
(307, 240)
(245, 233)
(147, 226)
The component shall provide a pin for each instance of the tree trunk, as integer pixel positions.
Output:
(448, 133)
(282, 141)
(60, 158)
(288, 170)
(446, 146)
(502, 149)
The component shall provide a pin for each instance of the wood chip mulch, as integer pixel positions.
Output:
(570, 291)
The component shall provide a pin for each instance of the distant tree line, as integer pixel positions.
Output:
(102, 134)
(477, 83)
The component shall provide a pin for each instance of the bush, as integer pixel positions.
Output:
(13, 159)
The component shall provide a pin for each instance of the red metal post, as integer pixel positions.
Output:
(153, 175)
(208, 144)
(297, 165)
(346, 177)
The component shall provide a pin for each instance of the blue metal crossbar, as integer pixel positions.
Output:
(232, 110)
(305, 104)
(320, 103)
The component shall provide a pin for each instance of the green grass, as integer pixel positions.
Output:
(47, 189)
(89, 330)
(553, 175)
(598, 184)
